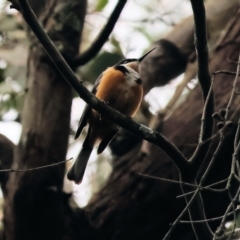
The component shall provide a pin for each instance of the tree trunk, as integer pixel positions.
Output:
(35, 206)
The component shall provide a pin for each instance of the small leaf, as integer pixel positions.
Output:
(100, 5)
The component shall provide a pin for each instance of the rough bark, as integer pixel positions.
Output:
(35, 206)
(140, 208)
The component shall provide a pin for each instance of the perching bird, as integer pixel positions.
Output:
(120, 87)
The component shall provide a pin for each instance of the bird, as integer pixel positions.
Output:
(120, 87)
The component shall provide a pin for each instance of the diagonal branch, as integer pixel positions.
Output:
(35, 168)
(96, 46)
(123, 121)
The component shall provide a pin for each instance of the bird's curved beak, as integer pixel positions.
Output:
(141, 58)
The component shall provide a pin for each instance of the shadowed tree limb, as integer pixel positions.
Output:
(205, 82)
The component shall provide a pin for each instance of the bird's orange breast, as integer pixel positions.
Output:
(114, 90)
(110, 82)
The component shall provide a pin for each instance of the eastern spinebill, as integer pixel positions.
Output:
(121, 88)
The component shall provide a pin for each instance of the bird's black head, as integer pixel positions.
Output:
(122, 66)
(125, 61)
(133, 63)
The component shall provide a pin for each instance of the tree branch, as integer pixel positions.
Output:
(234, 90)
(205, 82)
(123, 121)
(35, 168)
(96, 46)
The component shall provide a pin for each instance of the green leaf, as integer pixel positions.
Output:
(100, 5)
(117, 45)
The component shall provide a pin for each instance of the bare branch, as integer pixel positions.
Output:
(234, 215)
(206, 188)
(187, 184)
(167, 180)
(205, 82)
(234, 90)
(168, 234)
(220, 144)
(209, 219)
(96, 46)
(219, 232)
(123, 121)
(36, 168)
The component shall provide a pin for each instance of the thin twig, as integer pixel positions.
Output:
(219, 231)
(236, 178)
(197, 163)
(220, 144)
(35, 168)
(167, 180)
(234, 90)
(237, 135)
(221, 227)
(185, 183)
(236, 154)
(209, 187)
(123, 121)
(234, 215)
(209, 219)
(168, 234)
(233, 165)
(96, 46)
(202, 144)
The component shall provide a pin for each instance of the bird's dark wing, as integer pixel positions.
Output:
(106, 141)
(83, 120)
(94, 90)
(87, 110)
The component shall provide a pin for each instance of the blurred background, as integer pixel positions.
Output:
(140, 24)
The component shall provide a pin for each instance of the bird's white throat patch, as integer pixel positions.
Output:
(132, 76)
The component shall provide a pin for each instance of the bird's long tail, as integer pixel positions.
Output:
(76, 172)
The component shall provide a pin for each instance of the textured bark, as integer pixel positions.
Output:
(35, 206)
(140, 208)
